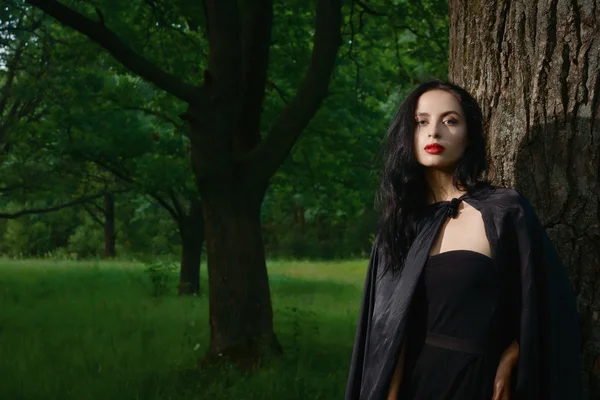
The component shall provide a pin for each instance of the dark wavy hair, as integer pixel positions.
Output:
(403, 190)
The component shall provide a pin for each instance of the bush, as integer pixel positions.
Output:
(160, 275)
(87, 241)
(27, 237)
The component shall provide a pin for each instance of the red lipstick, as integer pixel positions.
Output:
(434, 148)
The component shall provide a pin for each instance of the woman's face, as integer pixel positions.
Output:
(441, 132)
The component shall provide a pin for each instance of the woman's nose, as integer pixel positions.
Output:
(435, 129)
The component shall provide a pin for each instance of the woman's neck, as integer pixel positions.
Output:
(441, 186)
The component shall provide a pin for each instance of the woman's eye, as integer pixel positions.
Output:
(421, 122)
(451, 121)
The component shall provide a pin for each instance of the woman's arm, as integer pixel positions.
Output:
(511, 354)
(398, 373)
(503, 380)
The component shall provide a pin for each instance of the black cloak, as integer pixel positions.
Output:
(549, 338)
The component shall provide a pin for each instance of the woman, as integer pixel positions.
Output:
(465, 296)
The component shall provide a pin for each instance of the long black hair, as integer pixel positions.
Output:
(403, 190)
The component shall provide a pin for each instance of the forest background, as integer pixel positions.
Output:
(152, 150)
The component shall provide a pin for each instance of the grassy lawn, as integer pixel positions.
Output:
(93, 330)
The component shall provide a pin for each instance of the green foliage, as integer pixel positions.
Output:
(100, 132)
(26, 238)
(87, 241)
(142, 228)
(96, 126)
(148, 230)
(37, 235)
(160, 276)
(331, 176)
(322, 239)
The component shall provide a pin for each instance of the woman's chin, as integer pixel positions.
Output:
(440, 166)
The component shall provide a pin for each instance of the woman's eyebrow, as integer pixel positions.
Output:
(424, 114)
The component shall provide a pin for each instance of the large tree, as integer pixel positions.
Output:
(534, 66)
(232, 161)
(225, 62)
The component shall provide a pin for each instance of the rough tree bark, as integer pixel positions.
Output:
(534, 67)
(232, 161)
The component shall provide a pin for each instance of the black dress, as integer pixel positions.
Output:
(461, 320)
(549, 334)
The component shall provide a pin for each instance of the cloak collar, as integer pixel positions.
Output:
(450, 207)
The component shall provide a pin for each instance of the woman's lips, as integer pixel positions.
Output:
(434, 148)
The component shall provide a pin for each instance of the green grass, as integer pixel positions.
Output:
(92, 330)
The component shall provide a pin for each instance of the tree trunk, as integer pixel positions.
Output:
(110, 237)
(232, 160)
(534, 67)
(240, 312)
(192, 239)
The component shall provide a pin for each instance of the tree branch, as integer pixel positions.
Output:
(106, 38)
(369, 10)
(97, 207)
(279, 91)
(166, 206)
(256, 18)
(119, 174)
(100, 15)
(176, 203)
(5, 93)
(417, 33)
(262, 162)
(7, 189)
(93, 215)
(432, 28)
(53, 208)
(155, 113)
(123, 176)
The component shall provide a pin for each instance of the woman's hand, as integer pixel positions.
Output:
(508, 361)
(398, 374)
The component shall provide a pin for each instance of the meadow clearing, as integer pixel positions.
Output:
(91, 330)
